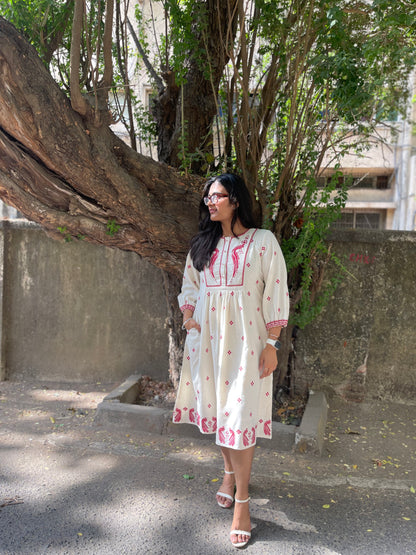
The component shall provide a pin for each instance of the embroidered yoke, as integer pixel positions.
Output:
(235, 300)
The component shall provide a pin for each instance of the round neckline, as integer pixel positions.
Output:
(235, 236)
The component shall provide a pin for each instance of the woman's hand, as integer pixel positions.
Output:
(191, 323)
(268, 361)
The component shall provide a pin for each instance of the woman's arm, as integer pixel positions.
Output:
(268, 357)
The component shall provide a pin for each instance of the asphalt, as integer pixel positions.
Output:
(71, 485)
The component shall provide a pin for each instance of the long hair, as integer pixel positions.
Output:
(205, 241)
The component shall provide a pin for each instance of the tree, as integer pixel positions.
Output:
(284, 82)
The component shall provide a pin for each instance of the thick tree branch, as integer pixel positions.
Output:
(62, 172)
(108, 46)
(152, 72)
(78, 102)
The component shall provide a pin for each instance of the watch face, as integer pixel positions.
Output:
(276, 344)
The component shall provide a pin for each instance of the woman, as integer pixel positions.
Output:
(234, 302)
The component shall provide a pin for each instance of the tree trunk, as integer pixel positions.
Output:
(61, 171)
(197, 100)
(174, 325)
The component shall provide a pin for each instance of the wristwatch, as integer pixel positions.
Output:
(274, 343)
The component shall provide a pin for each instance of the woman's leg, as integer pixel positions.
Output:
(228, 482)
(241, 463)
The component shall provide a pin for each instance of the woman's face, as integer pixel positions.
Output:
(221, 211)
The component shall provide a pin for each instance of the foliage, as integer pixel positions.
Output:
(43, 22)
(65, 233)
(112, 228)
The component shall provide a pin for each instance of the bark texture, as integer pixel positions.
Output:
(63, 171)
(197, 100)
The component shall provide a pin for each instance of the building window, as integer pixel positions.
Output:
(372, 182)
(355, 219)
(359, 182)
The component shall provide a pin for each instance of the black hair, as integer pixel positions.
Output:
(205, 241)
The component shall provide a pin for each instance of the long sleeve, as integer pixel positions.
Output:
(190, 286)
(276, 295)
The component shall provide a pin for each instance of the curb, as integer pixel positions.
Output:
(310, 436)
(118, 409)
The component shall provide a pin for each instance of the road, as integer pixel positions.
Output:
(156, 496)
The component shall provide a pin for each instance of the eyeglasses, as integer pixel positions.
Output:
(214, 198)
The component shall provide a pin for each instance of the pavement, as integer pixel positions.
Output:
(71, 485)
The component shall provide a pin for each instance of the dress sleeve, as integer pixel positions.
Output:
(275, 295)
(190, 286)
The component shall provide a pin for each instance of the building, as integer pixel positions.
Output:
(382, 192)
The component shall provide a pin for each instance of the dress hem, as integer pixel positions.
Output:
(263, 436)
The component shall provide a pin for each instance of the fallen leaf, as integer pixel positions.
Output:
(188, 477)
(352, 432)
(412, 489)
(326, 506)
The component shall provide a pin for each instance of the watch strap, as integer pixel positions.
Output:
(274, 343)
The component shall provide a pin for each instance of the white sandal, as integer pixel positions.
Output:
(241, 532)
(226, 495)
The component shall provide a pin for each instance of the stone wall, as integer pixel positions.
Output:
(75, 311)
(364, 342)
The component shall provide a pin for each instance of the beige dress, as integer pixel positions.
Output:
(235, 300)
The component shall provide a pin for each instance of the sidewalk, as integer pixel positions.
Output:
(68, 486)
(370, 444)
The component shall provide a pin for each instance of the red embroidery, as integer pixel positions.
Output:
(276, 324)
(204, 425)
(187, 307)
(235, 254)
(249, 437)
(235, 262)
(267, 428)
(177, 415)
(226, 437)
(212, 262)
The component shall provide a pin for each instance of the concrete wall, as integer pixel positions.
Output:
(75, 311)
(370, 319)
